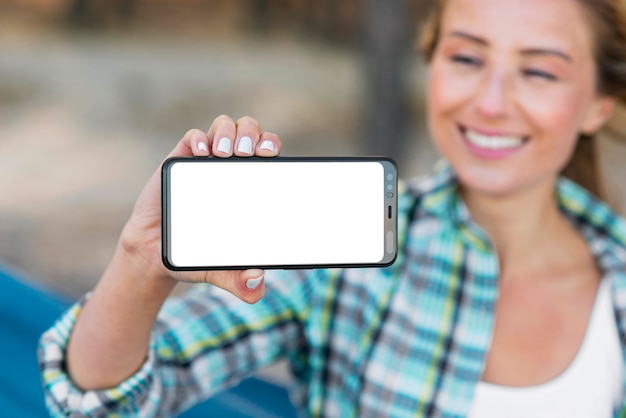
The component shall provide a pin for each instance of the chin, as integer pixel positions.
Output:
(484, 181)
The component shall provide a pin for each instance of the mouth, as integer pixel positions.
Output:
(492, 144)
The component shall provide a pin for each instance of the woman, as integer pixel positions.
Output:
(509, 295)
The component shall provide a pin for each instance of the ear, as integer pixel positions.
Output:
(598, 114)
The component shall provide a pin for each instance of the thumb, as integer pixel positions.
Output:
(247, 285)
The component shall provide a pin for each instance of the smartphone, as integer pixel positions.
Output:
(282, 212)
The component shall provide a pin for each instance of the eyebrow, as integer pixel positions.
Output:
(543, 51)
(528, 51)
(469, 37)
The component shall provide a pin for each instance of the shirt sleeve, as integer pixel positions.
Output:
(64, 398)
(204, 341)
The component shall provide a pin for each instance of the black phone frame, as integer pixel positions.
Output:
(391, 222)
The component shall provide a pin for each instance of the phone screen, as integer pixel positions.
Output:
(278, 213)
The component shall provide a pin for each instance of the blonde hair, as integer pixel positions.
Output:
(608, 22)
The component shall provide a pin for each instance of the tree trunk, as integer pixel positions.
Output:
(386, 35)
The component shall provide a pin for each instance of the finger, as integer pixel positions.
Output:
(248, 133)
(269, 145)
(193, 142)
(247, 285)
(221, 136)
(197, 141)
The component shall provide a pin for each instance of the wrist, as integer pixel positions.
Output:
(131, 264)
(112, 333)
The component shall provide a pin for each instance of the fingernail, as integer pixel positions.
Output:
(267, 145)
(245, 145)
(254, 283)
(202, 146)
(224, 145)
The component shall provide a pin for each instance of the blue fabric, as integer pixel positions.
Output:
(26, 311)
(251, 398)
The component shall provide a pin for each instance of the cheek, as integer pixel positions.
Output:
(447, 93)
(557, 110)
(557, 117)
(437, 99)
(447, 89)
(557, 114)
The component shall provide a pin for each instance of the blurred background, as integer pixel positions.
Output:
(94, 93)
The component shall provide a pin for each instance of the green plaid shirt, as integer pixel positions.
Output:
(407, 340)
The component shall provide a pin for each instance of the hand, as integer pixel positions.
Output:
(141, 239)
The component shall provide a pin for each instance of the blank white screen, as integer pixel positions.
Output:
(276, 213)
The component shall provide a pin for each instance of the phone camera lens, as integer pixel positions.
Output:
(389, 195)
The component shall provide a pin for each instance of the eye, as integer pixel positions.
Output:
(466, 60)
(534, 73)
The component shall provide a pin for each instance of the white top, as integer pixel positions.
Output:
(591, 386)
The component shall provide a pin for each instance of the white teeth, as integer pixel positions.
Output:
(493, 141)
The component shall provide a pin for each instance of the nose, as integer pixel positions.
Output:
(493, 97)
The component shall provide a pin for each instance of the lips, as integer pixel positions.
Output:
(493, 145)
(493, 141)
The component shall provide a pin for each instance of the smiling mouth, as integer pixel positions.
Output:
(492, 142)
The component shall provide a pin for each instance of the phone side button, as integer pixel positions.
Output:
(389, 244)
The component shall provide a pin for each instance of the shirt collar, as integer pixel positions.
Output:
(602, 228)
(443, 200)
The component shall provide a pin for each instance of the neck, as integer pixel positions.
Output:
(523, 226)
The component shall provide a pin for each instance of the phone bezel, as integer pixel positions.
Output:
(390, 199)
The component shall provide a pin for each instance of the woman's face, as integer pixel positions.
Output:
(512, 84)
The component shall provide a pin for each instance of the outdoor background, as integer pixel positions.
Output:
(94, 93)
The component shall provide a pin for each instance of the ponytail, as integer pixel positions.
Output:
(584, 166)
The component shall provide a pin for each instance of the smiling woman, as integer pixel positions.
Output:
(516, 86)
(545, 62)
(517, 91)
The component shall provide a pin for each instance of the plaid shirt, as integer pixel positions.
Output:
(407, 340)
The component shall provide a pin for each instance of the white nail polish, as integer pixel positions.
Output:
(202, 146)
(224, 145)
(267, 145)
(254, 283)
(245, 145)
